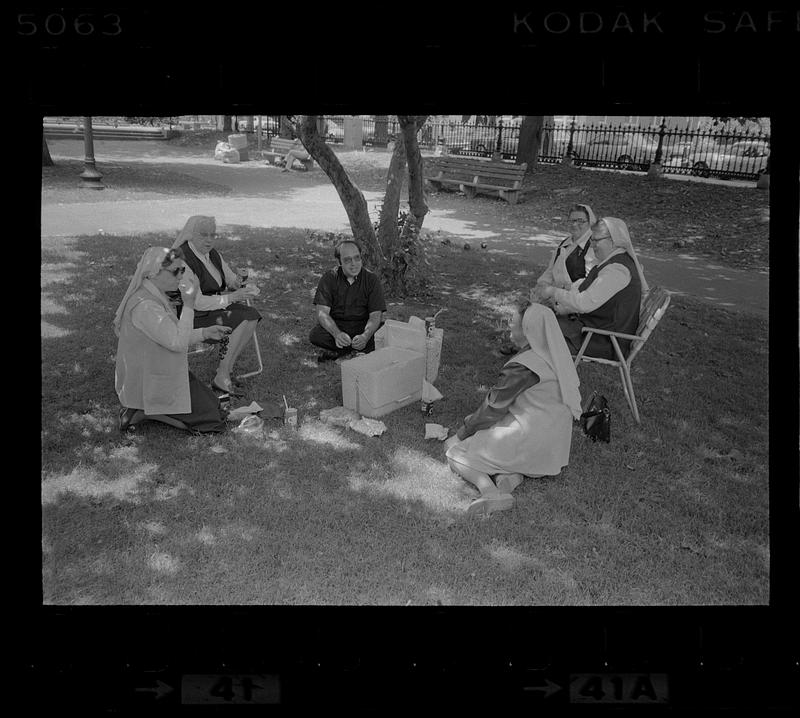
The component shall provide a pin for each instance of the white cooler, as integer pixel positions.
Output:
(382, 381)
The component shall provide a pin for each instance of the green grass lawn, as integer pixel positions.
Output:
(672, 511)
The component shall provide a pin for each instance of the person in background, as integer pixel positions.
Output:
(152, 376)
(609, 298)
(349, 306)
(524, 425)
(296, 152)
(222, 299)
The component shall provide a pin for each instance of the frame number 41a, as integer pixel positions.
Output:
(641, 688)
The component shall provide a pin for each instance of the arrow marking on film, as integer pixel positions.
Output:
(548, 690)
(160, 690)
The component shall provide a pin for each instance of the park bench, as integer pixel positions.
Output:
(653, 306)
(278, 147)
(471, 176)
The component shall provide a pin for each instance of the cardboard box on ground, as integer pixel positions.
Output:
(391, 377)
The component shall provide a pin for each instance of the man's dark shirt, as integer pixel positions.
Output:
(350, 302)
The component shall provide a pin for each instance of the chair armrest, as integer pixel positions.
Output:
(608, 333)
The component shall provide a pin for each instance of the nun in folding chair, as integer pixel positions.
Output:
(222, 298)
(524, 425)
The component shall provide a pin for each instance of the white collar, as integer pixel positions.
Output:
(581, 242)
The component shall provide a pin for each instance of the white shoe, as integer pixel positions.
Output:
(490, 503)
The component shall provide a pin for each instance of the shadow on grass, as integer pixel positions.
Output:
(672, 511)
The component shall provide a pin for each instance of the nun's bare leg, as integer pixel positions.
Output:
(478, 479)
(237, 340)
(491, 499)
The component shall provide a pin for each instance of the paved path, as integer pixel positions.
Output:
(264, 196)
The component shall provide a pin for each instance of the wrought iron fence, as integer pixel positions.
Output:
(727, 155)
(723, 154)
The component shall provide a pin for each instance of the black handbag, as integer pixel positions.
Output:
(596, 418)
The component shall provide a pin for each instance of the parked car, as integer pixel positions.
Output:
(631, 151)
(746, 156)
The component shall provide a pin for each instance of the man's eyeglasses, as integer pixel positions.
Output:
(210, 235)
(177, 272)
(350, 260)
(579, 221)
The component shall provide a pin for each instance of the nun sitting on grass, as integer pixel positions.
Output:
(152, 376)
(524, 425)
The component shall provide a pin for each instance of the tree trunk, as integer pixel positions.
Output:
(388, 231)
(47, 160)
(394, 248)
(352, 198)
(530, 139)
(227, 123)
(409, 126)
(398, 240)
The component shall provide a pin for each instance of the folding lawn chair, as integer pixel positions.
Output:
(652, 309)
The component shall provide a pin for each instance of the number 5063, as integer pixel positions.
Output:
(56, 24)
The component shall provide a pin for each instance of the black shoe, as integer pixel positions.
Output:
(328, 355)
(125, 416)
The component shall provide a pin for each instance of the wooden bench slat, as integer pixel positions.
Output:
(482, 171)
(471, 176)
(477, 171)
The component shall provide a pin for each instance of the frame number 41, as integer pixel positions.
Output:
(230, 689)
(641, 688)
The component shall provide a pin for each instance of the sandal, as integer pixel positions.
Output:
(490, 503)
(506, 483)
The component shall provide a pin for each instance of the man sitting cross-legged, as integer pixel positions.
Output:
(349, 305)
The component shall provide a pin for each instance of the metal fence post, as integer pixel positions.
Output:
(656, 169)
(499, 144)
(659, 149)
(570, 145)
